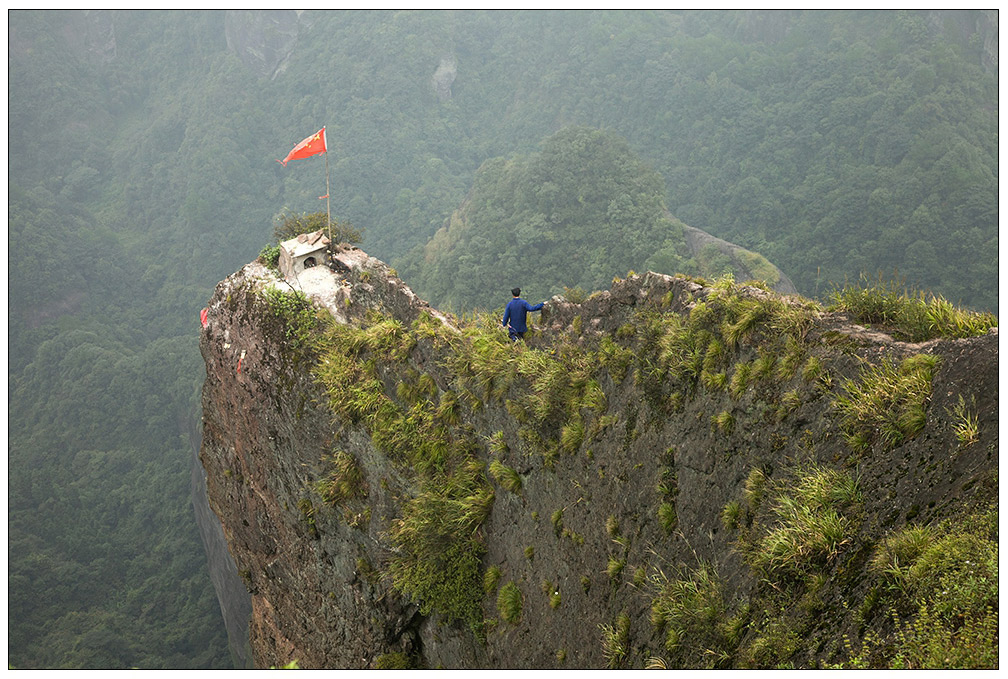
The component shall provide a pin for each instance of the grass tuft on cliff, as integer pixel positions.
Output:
(910, 315)
(814, 517)
(690, 607)
(887, 402)
(509, 603)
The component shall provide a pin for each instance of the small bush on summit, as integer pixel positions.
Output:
(270, 256)
(290, 225)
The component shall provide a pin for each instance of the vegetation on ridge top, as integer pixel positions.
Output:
(794, 528)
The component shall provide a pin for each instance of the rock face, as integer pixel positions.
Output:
(598, 519)
(263, 40)
(972, 29)
(443, 78)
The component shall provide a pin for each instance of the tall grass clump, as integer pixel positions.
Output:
(507, 477)
(763, 367)
(724, 421)
(911, 315)
(497, 444)
(740, 379)
(789, 402)
(887, 400)
(690, 611)
(509, 603)
(344, 481)
(571, 435)
(749, 315)
(815, 517)
(794, 351)
(614, 640)
(594, 397)
(754, 488)
(897, 552)
(667, 516)
(491, 578)
(731, 514)
(965, 424)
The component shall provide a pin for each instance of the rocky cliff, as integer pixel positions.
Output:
(670, 473)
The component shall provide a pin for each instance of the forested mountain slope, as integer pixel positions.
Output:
(141, 167)
(569, 216)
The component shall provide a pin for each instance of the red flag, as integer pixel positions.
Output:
(203, 317)
(309, 146)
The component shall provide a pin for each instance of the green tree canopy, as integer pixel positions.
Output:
(574, 214)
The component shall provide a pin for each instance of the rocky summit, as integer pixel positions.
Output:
(670, 473)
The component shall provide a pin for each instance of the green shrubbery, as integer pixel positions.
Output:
(290, 225)
(297, 314)
(940, 594)
(270, 256)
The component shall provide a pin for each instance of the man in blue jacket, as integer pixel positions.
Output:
(514, 315)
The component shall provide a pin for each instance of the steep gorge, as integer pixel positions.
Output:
(400, 487)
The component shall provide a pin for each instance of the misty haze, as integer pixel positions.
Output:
(766, 243)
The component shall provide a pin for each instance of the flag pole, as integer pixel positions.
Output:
(328, 219)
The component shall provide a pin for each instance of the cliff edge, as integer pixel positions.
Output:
(670, 473)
